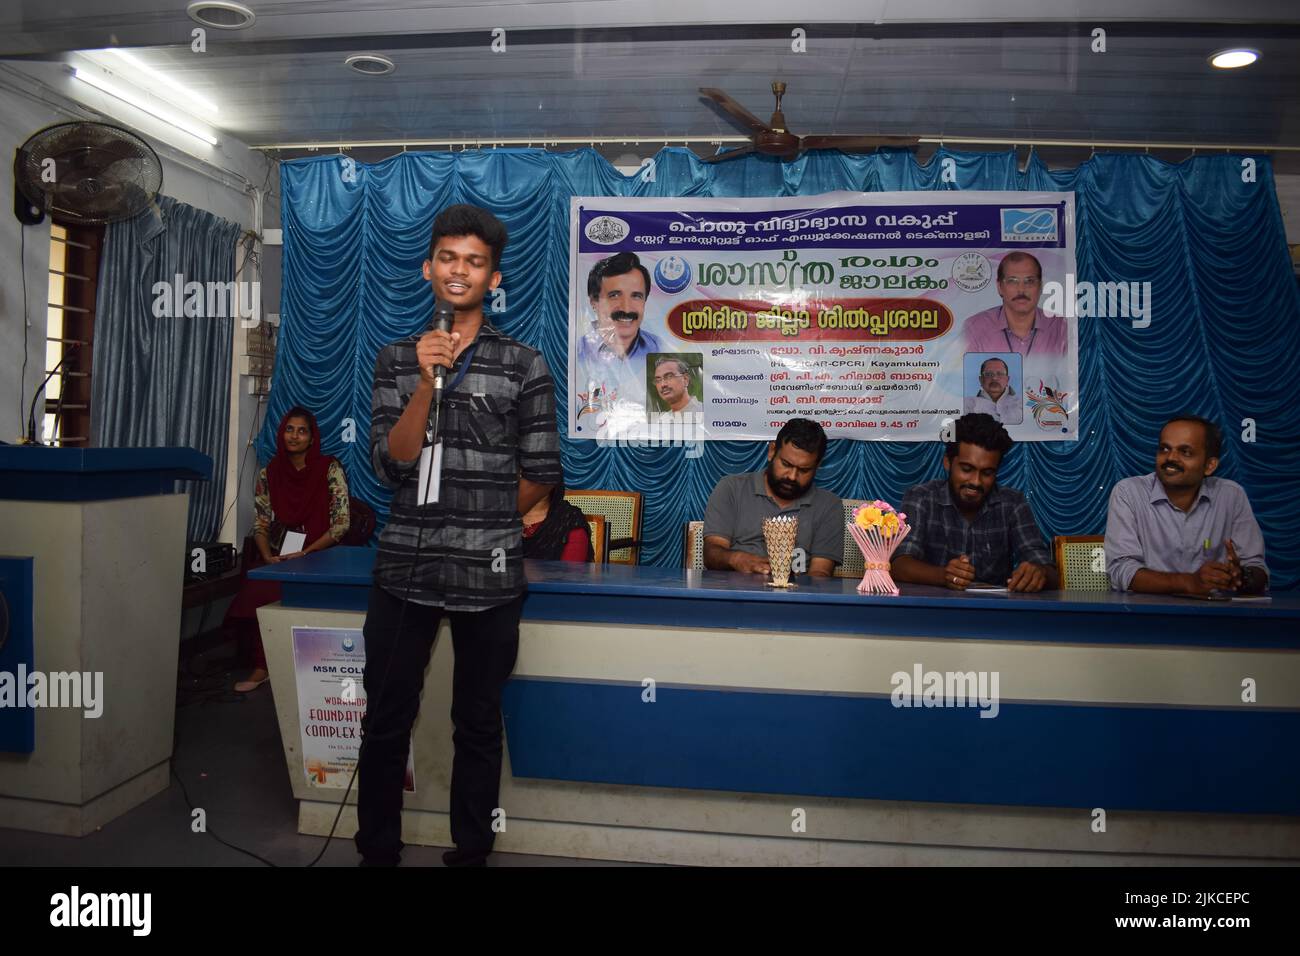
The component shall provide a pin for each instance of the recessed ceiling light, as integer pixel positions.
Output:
(1233, 58)
(221, 14)
(371, 64)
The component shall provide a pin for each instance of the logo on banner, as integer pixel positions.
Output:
(971, 272)
(672, 274)
(607, 230)
(1029, 225)
(349, 645)
(1047, 405)
(591, 404)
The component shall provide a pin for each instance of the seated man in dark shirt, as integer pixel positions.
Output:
(733, 521)
(965, 528)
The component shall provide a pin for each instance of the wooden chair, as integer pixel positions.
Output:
(693, 546)
(1076, 557)
(599, 530)
(622, 513)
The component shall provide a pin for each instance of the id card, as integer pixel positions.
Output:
(430, 474)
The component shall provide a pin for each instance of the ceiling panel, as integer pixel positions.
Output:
(973, 79)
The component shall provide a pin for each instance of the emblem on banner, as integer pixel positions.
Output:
(1047, 405)
(1029, 225)
(349, 645)
(672, 274)
(971, 272)
(607, 230)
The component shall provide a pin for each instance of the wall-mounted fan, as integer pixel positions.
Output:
(775, 139)
(84, 173)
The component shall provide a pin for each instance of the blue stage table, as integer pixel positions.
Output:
(647, 686)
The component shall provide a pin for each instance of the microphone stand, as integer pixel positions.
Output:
(31, 412)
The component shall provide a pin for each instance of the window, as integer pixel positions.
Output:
(70, 319)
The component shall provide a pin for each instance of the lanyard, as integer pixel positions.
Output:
(1033, 333)
(466, 358)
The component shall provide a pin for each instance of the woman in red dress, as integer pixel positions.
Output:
(555, 530)
(299, 490)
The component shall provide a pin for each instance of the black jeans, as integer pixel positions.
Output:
(484, 644)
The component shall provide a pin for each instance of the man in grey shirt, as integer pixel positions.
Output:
(1180, 531)
(733, 521)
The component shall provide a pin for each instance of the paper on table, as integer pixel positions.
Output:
(293, 541)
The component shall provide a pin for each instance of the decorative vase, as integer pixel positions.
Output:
(876, 551)
(779, 535)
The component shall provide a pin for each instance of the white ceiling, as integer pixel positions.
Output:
(612, 68)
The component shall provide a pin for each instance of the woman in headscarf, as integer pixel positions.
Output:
(555, 530)
(299, 490)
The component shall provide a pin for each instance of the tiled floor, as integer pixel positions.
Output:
(229, 757)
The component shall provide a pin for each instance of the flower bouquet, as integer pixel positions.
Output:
(878, 529)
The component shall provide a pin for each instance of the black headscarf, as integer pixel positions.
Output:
(547, 542)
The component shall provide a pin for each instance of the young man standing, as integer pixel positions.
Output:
(966, 527)
(461, 556)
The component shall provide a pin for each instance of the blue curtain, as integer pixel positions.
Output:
(1223, 339)
(165, 381)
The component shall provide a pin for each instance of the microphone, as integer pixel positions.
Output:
(443, 317)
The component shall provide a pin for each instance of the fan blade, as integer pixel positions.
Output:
(855, 143)
(730, 154)
(743, 117)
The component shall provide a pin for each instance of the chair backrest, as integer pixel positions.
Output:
(622, 513)
(1077, 557)
(693, 546)
(852, 565)
(599, 530)
(361, 525)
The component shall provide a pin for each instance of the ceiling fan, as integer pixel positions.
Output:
(774, 139)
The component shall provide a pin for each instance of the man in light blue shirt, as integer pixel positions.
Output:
(1179, 530)
(612, 353)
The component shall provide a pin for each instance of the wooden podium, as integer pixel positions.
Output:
(106, 532)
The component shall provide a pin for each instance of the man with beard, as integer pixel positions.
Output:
(1018, 324)
(733, 521)
(1180, 531)
(966, 528)
(996, 397)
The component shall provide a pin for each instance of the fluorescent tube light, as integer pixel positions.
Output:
(143, 105)
(185, 93)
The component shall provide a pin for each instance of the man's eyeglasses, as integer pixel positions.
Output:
(667, 377)
(1029, 282)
